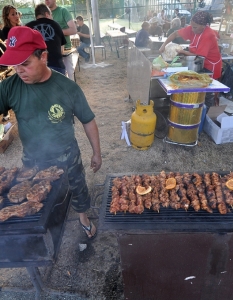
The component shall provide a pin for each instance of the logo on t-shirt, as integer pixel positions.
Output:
(46, 30)
(13, 41)
(56, 113)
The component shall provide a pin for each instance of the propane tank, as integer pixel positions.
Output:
(142, 129)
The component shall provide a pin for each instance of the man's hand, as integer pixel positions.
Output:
(92, 133)
(96, 162)
(162, 49)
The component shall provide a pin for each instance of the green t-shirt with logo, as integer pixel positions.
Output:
(62, 16)
(44, 112)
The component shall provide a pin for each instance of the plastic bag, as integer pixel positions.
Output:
(159, 61)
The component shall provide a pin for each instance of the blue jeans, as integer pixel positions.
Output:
(81, 51)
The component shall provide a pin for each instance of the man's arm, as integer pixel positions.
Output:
(83, 34)
(92, 133)
(72, 28)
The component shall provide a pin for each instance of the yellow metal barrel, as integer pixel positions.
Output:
(185, 117)
(142, 128)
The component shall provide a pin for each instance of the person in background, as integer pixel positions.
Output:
(163, 22)
(10, 19)
(20, 16)
(52, 35)
(63, 17)
(203, 42)
(154, 17)
(84, 34)
(154, 29)
(183, 22)
(142, 36)
(176, 25)
(149, 15)
(45, 102)
(176, 13)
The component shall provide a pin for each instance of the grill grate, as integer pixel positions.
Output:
(167, 219)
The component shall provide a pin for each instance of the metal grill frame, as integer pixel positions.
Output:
(167, 220)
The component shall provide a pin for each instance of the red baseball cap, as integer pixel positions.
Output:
(22, 41)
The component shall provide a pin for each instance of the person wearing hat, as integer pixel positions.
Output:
(203, 42)
(155, 29)
(45, 102)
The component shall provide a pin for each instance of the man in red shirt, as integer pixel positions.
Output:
(203, 42)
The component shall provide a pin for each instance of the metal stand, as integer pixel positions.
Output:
(167, 140)
(35, 277)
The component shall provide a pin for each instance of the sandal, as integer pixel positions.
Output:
(89, 235)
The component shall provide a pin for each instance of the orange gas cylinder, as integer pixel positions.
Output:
(142, 129)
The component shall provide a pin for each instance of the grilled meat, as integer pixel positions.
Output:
(22, 210)
(1, 202)
(26, 174)
(51, 174)
(18, 192)
(2, 169)
(6, 179)
(39, 191)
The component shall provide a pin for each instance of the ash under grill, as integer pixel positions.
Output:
(167, 219)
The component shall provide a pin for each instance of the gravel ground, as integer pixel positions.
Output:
(95, 273)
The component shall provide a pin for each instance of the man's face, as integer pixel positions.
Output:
(79, 22)
(33, 70)
(51, 4)
(197, 29)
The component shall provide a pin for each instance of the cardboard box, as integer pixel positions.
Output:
(219, 125)
(7, 139)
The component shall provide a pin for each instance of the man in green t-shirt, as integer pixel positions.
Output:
(63, 17)
(44, 102)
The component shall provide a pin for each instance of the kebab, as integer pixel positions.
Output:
(201, 192)
(163, 196)
(184, 202)
(222, 208)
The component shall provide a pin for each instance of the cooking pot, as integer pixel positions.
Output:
(194, 62)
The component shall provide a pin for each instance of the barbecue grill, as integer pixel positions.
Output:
(173, 254)
(34, 240)
(167, 219)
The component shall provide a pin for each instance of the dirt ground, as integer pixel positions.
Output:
(95, 273)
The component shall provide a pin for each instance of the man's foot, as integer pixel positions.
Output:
(90, 230)
(87, 58)
(6, 118)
